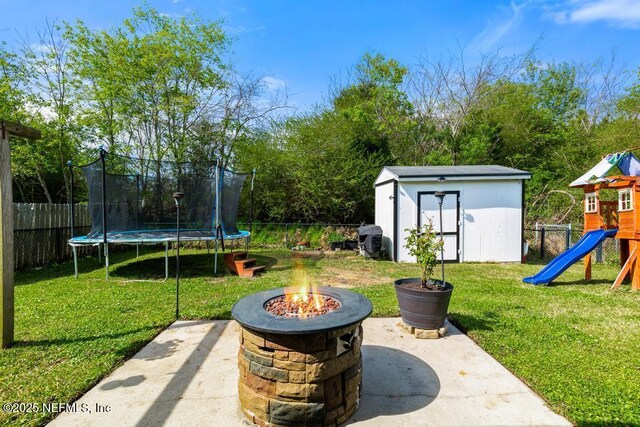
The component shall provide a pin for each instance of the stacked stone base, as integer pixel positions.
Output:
(423, 333)
(312, 379)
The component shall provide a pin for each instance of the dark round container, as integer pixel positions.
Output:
(423, 308)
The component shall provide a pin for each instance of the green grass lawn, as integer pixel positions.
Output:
(575, 343)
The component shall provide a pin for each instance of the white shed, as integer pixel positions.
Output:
(482, 212)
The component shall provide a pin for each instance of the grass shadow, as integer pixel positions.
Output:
(467, 322)
(191, 265)
(86, 265)
(538, 261)
(64, 341)
(578, 282)
(267, 261)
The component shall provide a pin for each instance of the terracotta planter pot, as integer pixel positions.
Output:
(422, 307)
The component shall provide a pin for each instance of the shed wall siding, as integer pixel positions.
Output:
(490, 218)
(384, 215)
(493, 222)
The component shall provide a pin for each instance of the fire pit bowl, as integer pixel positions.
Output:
(300, 371)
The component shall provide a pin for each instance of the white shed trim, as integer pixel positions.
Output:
(463, 178)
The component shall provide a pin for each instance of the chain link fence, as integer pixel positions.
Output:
(548, 241)
(41, 246)
(290, 235)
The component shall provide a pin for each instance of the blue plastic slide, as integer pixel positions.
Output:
(586, 244)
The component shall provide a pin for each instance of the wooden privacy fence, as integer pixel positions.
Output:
(41, 232)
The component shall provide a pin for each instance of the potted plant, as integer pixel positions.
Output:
(424, 301)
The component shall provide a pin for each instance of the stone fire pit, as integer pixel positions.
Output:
(304, 371)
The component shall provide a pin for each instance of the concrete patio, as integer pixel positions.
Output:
(188, 376)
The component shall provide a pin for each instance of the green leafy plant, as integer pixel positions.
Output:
(424, 244)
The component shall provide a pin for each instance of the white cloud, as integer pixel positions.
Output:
(498, 28)
(623, 13)
(41, 47)
(273, 83)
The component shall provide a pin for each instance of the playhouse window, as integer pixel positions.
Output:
(590, 203)
(624, 200)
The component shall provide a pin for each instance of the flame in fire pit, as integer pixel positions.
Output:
(302, 300)
(304, 295)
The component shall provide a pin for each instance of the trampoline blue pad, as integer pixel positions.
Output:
(142, 237)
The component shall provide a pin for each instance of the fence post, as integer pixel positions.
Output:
(542, 243)
(567, 235)
(59, 254)
(286, 234)
(599, 257)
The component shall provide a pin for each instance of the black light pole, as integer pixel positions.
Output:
(178, 198)
(440, 196)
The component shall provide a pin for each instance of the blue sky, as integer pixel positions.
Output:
(303, 44)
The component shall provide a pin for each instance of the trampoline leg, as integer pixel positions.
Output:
(99, 255)
(166, 261)
(137, 251)
(208, 252)
(106, 260)
(215, 258)
(75, 261)
(246, 244)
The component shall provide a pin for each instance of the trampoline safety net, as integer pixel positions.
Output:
(138, 196)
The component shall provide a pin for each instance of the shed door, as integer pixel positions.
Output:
(428, 209)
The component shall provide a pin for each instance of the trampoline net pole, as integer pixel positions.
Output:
(104, 212)
(217, 219)
(253, 177)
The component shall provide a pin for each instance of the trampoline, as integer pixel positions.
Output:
(131, 199)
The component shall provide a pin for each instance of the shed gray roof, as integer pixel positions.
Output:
(459, 171)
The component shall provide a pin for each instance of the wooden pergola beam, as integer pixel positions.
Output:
(17, 129)
(6, 227)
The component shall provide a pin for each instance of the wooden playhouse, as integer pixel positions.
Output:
(622, 214)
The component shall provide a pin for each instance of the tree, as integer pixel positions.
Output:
(246, 105)
(620, 132)
(49, 104)
(160, 88)
(445, 92)
(12, 96)
(149, 83)
(376, 107)
(321, 166)
(12, 107)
